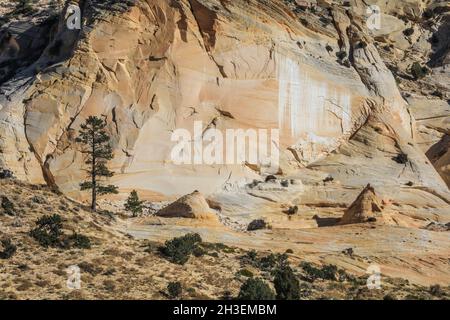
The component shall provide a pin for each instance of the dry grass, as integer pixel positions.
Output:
(118, 267)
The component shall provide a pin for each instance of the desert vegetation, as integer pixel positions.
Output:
(97, 150)
(89, 186)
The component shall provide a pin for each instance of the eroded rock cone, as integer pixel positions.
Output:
(366, 208)
(193, 206)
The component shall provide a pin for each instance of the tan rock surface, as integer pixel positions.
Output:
(239, 71)
(192, 206)
(157, 66)
(366, 208)
(118, 267)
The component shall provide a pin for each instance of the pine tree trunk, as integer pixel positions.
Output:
(94, 178)
(94, 194)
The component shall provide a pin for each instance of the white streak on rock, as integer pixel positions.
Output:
(306, 105)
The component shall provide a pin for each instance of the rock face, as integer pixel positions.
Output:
(366, 208)
(316, 73)
(163, 66)
(192, 206)
(340, 94)
(439, 154)
(439, 227)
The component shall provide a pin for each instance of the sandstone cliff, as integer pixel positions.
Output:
(354, 104)
(317, 73)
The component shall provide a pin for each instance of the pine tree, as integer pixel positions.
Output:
(98, 151)
(133, 204)
(286, 283)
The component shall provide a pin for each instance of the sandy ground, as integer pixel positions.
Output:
(421, 256)
(124, 261)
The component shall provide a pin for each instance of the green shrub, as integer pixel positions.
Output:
(408, 32)
(417, 71)
(246, 273)
(361, 44)
(222, 247)
(436, 290)
(252, 255)
(257, 225)
(7, 206)
(199, 252)
(133, 204)
(39, 199)
(266, 263)
(256, 289)
(23, 7)
(5, 173)
(109, 285)
(286, 284)
(401, 158)
(341, 55)
(227, 295)
(48, 231)
(327, 272)
(344, 276)
(179, 249)
(271, 261)
(79, 241)
(174, 289)
(9, 249)
(213, 254)
(91, 268)
(304, 22)
(349, 252)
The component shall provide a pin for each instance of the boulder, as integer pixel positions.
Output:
(192, 206)
(366, 208)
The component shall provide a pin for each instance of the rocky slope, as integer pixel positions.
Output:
(119, 267)
(354, 106)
